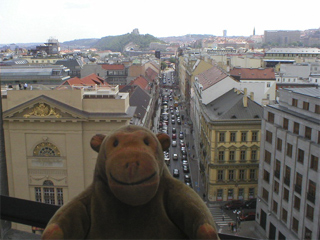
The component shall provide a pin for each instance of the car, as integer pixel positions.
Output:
(189, 184)
(183, 152)
(248, 216)
(175, 156)
(251, 203)
(234, 204)
(167, 161)
(173, 117)
(174, 143)
(174, 136)
(174, 130)
(181, 135)
(185, 168)
(184, 162)
(183, 149)
(176, 172)
(187, 178)
(184, 157)
(173, 121)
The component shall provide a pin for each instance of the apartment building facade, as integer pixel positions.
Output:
(230, 147)
(47, 139)
(289, 186)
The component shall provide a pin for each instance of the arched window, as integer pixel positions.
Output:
(46, 149)
(51, 194)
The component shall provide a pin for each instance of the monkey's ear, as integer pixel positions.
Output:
(96, 141)
(164, 140)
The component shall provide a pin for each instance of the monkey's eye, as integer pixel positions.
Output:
(115, 143)
(146, 141)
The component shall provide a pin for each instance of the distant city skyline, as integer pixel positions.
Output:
(66, 20)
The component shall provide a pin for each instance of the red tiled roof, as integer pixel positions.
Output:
(253, 73)
(113, 66)
(211, 76)
(141, 82)
(151, 74)
(92, 79)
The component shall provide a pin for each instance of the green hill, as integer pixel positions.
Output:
(117, 43)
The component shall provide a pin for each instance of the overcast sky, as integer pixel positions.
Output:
(26, 21)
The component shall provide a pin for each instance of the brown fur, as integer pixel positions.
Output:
(133, 195)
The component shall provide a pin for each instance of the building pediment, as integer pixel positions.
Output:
(43, 108)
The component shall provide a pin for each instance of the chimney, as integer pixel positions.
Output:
(245, 98)
(252, 96)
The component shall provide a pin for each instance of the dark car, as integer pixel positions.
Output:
(248, 216)
(187, 178)
(186, 168)
(234, 204)
(252, 203)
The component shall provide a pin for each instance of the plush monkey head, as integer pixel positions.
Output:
(131, 162)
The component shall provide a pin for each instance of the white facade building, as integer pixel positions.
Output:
(289, 184)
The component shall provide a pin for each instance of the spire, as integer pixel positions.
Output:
(254, 31)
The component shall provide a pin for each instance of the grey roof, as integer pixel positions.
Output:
(138, 98)
(230, 107)
(312, 92)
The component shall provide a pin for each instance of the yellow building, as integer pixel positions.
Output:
(47, 139)
(229, 147)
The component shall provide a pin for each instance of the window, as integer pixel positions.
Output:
(307, 234)
(221, 155)
(265, 194)
(298, 184)
(276, 187)
(254, 136)
(318, 137)
(289, 150)
(251, 193)
(51, 194)
(266, 176)
(221, 137)
(311, 191)
(219, 194)
(284, 215)
(243, 136)
(220, 175)
(285, 123)
(269, 136)
(233, 136)
(285, 194)
(270, 117)
(242, 155)
(231, 155)
(275, 207)
(309, 213)
(287, 175)
(240, 193)
(305, 105)
(296, 127)
(317, 109)
(314, 163)
(279, 144)
(231, 175)
(252, 174)
(294, 102)
(253, 154)
(308, 133)
(295, 224)
(242, 174)
(267, 156)
(230, 194)
(300, 156)
(277, 169)
(296, 204)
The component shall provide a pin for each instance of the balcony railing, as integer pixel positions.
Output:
(38, 214)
